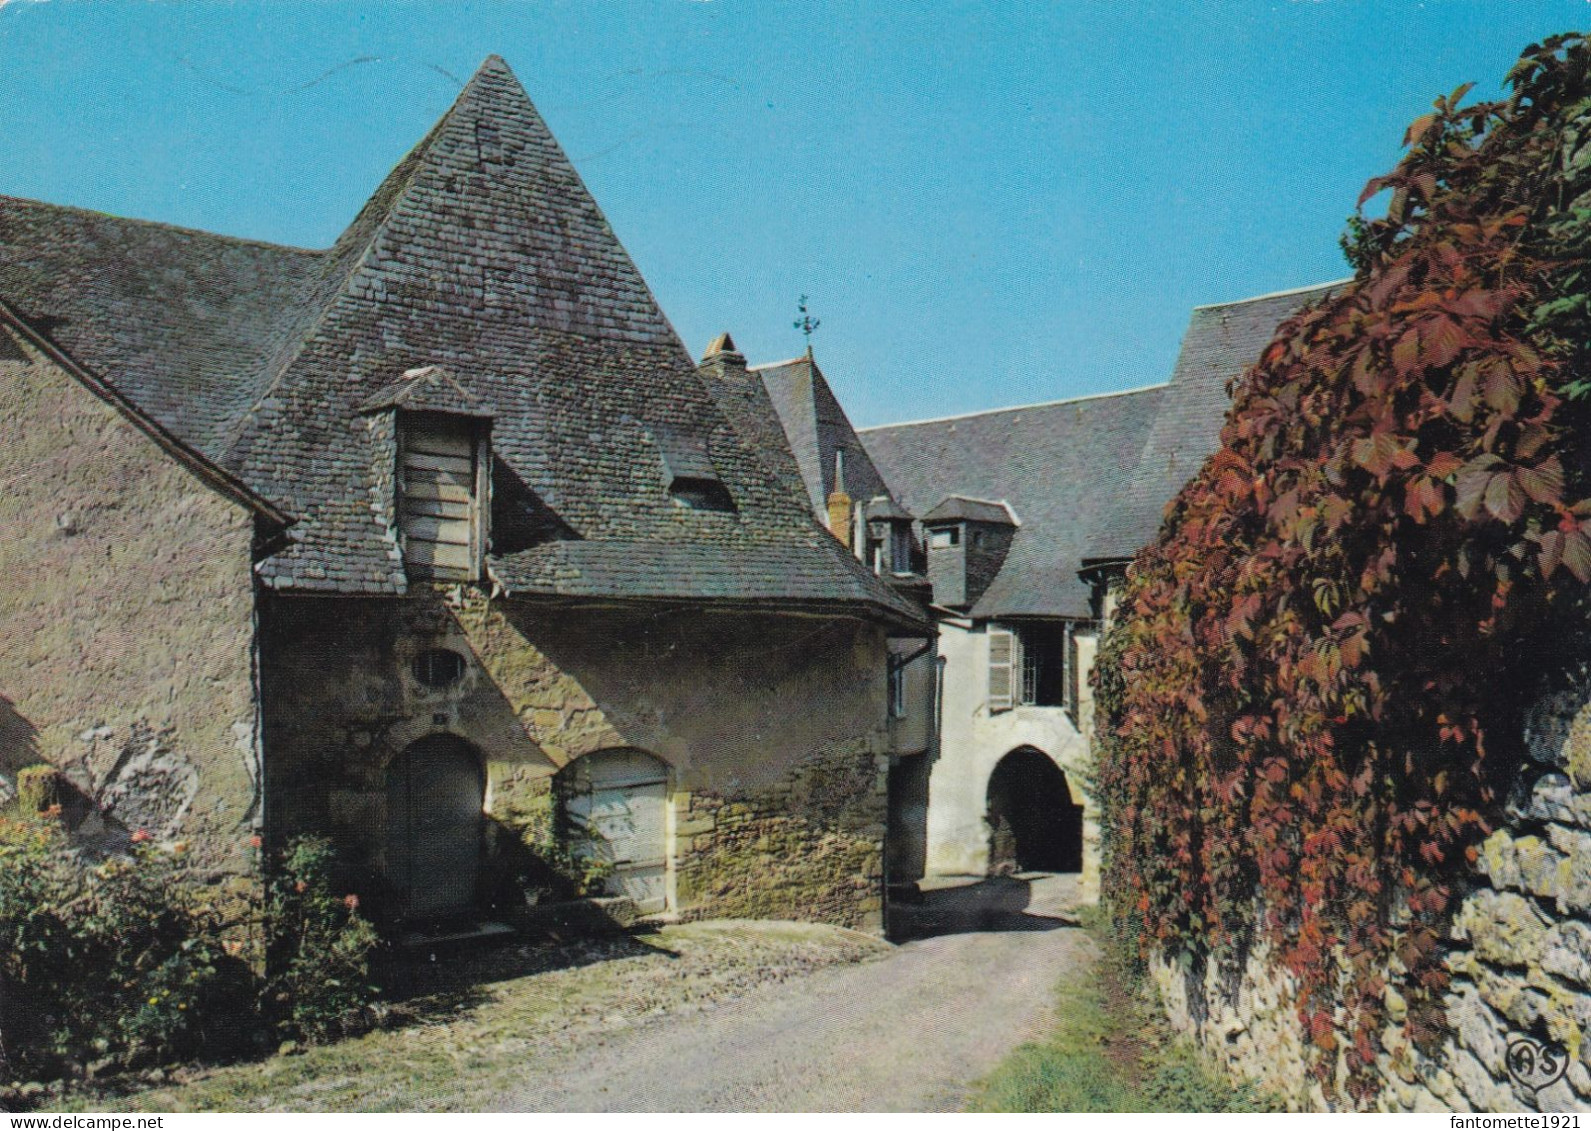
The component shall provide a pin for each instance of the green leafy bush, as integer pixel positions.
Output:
(117, 963)
(318, 947)
(572, 860)
(129, 961)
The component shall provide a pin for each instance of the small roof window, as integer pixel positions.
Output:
(688, 472)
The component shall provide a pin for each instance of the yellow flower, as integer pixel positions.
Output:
(154, 1001)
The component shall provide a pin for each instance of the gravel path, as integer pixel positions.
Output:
(910, 1032)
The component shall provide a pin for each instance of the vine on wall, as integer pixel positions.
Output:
(1310, 696)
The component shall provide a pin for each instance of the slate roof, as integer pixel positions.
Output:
(883, 507)
(481, 253)
(1058, 465)
(960, 508)
(429, 389)
(815, 428)
(1221, 342)
(744, 401)
(182, 322)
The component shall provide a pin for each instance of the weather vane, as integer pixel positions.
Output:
(806, 323)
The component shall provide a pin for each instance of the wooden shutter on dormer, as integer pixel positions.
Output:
(1002, 667)
(440, 492)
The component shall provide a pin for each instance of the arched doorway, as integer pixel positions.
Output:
(614, 804)
(1033, 824)
(435, 794)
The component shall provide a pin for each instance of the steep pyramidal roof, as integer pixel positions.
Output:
(817, 428)
(1058, 466)
(1221, 342)
(482, 253)
(744, 401)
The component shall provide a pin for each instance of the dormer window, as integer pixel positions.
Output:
(693, 482)
(889, 536)
(444, 461)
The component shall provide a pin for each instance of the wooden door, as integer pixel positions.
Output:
(616, 806)
(434, 827)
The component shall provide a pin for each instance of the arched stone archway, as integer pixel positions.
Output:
(435, 794)
(615, 809)
(1034, 825)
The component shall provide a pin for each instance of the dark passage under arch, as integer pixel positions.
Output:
(1033, 824)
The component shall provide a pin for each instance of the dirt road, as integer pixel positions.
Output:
(910, 1032)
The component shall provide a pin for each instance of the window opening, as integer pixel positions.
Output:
(439, 667)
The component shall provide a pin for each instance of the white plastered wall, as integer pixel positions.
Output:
(973, 740)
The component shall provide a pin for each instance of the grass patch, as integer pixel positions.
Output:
(1111, 1050)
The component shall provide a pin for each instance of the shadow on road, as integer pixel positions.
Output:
(997, 904)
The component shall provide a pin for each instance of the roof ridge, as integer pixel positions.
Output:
(1277, 294)
(6, 198)
(1017, 407)
(780, 364)
(341, 269)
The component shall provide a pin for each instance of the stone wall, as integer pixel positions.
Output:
(773, 729)
(808, 847)
(126, 623)
(1519, 955)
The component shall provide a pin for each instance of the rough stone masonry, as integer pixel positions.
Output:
(1519, 953)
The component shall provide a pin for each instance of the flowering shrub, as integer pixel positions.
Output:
(128, 962)
(116, 962)
(1311, 694)
(318, 946)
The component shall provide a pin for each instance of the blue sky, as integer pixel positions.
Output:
(988, 204)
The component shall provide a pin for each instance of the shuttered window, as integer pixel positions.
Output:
(1002, 667)
(440, 496)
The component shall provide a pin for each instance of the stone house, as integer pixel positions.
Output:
(789, 415)
(426, 542)
(1015, 525)
(1006, 500)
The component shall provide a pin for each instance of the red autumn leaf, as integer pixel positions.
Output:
(1577, 554)
(1411, 137)
(1544, 482)
(1461, 401)
(1505, 499)
(1471, 483)
(1550, 552)
(1441, 340)
(1531, 439)
(1406, 352)
(1503, 389)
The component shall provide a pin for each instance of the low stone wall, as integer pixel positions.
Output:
(1519, 954)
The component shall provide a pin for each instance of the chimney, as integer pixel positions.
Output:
(723, 360)
(840, 502)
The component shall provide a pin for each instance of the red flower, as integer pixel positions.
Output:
(255, 841)
(351, 902)
(141, 835)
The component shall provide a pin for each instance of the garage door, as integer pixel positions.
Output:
(615, 805)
